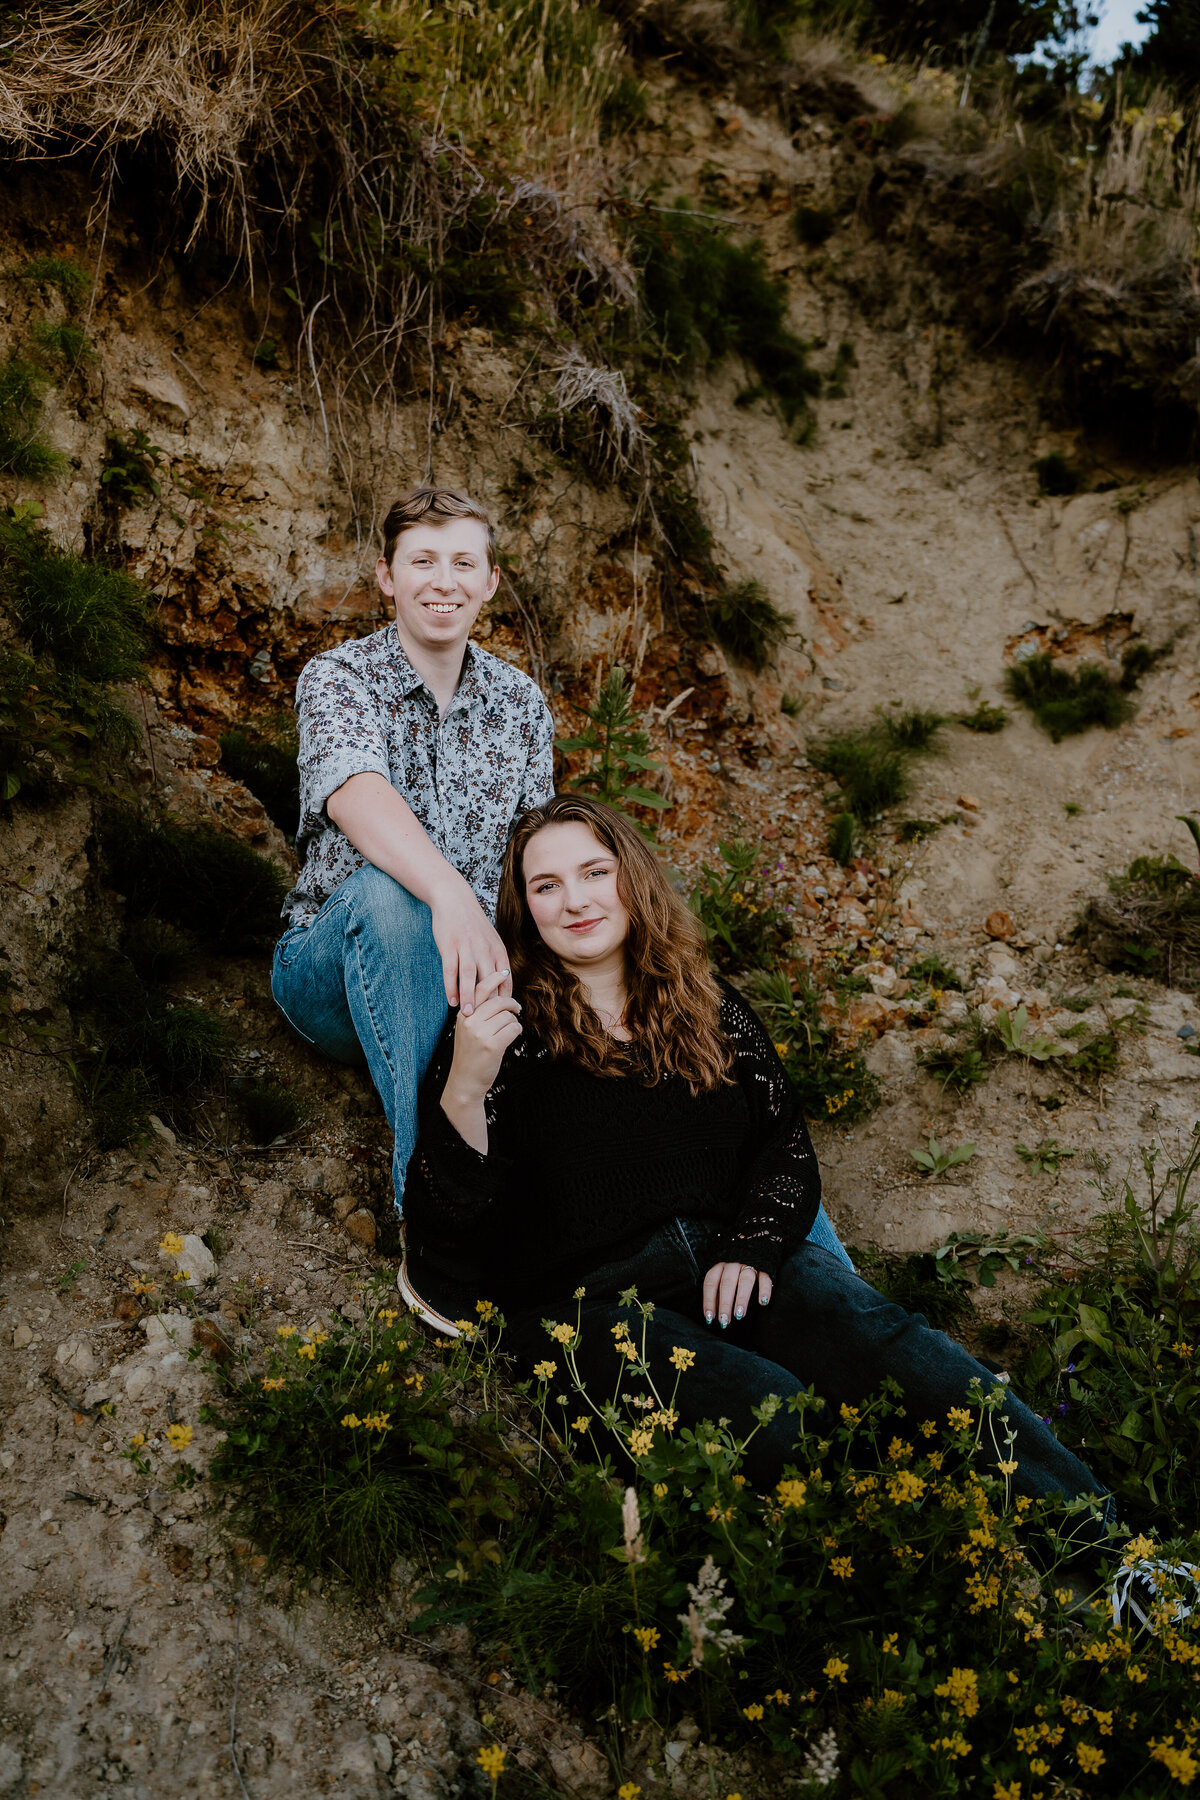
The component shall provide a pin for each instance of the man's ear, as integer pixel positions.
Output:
(493, 582)
(383, 576)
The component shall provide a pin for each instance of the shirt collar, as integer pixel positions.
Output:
(470, 682)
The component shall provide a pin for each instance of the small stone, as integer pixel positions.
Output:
(999, 924)
(968, 802)
(22, 1337)
(11, 1768)
(174, 1328)
(75, 1357)
(195, 1263)
(160, 1130)
(361, 1226)
(344, 1205)
(382, 1747)
(1186, 1031)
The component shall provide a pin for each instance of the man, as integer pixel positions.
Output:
(417, 751)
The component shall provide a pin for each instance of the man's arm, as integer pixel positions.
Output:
(383, 827)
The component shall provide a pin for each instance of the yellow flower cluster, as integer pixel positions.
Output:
(628, 1790)
(682, 1359)
(1089, 1757)
(171, 1244)
(842, 1567)
(753, 1712)
(890, 1645)
(376, 1421)
(836, 1670)
(545, 1370)
(641, 1440)
(285, 1331)
(486, 1309)
(1007, 1790)
(660, 1490)
(984, 1591)
(675, 1675)
(849, 1414)
(272, 1385)
(647, 1636)
(179, 1436)
(954, 1745)
(898, 1450)
(389, 1315)
(1181, 1763)
(491, 1760)
(415, 1382)
(792, 1493)
(961, 1688)
(835, 1102)
(905, 1485)
(581, 1424)
(562, 1334)
(959, 1417)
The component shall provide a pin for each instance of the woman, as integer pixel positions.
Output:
(622, 1120)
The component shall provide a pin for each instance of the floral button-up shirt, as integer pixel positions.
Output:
(364, 709)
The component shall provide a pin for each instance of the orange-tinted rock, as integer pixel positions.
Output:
(361, 1226)
(999, 924)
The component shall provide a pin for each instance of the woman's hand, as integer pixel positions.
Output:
(728, 1289)
(480, 1040)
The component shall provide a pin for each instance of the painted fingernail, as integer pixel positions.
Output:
(724, 1320)
(740, 1313)
(708, 1318)
(763, 1299)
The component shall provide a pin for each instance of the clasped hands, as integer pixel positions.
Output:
(728, 1289)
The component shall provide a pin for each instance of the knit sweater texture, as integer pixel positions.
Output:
(582, 1169)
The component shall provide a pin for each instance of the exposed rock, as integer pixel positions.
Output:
(75, 1358)
(360, 1225)
(999, 924)
(194, 1264)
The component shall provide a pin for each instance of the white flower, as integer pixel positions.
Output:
(704, 1618)
(631, 1519)
(821, 1763)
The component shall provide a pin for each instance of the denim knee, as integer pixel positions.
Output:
(380, 902)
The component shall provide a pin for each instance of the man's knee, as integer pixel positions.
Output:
(385, 907)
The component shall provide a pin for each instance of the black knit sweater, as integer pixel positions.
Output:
(582, 1169)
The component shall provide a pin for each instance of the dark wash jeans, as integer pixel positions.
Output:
(824, 1327)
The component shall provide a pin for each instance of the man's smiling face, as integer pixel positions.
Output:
(439, 579)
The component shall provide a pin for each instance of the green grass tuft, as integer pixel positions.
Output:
(225, 893)
(22, 452)
(57, 272)
(90, 619)
(872, 773)
(843, 837)
(914, 728)
(64, 341)
(268, 1110)
(1064, 701)
(746, 621)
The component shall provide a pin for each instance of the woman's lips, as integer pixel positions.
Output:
(583, 925)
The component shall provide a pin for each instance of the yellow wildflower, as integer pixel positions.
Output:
(660, 1490)
(890, 1642)
(171, 1244)
(545, 1370)
(836, 1670)
(1137, 1548)
(1181, 1763)
(850, 1414)
(351, 1420)
(955, 1745)
(308, 1350)
(486, 1309)
(179, 1436)
(628, 1790)
(285, 1331)
(673, 1674)
(465, 1328)
(382, 1368)
(581, 1424)
(898, 1450)
(1007, 1468)
(1039, 1766)
(842, 1567)
(562, 1334)
(1089, 1757)
(961, 1688)
(682, 1359)
(272, 1386)
(960, 1418)
(491, 1760)
(753, 1712)
(416, 1382)
(791, 1493)
(182, 1275)
(782, 1049)
(927, 1427)
(620, 1330)
(628, 1349)
(1007, 1790)
(138, 1439)
(780, 1698)
(641, 1440)
(647, 1636)
(389, 1315)
(905, 1485)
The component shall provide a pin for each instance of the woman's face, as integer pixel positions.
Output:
(571, 892)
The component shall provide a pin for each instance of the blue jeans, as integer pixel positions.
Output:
(823, 1328)
(365, 979)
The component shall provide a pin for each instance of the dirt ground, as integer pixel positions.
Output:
(144, 1653)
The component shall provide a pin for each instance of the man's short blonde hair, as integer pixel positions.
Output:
(439, 504)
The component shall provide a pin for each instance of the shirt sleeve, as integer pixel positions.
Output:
(779, 1190)
(341, 734)
(455, 1185)
(539, 770)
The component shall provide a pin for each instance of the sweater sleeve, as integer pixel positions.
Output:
(449, 1180)
(779, 1189)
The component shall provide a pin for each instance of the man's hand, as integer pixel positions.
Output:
(728, 1288)
(474, 961)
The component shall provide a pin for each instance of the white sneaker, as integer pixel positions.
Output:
(1144, 1587)
(427, 1314)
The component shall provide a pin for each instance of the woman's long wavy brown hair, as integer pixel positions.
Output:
(673, 1009)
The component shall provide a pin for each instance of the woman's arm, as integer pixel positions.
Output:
(779, 1190)
(459, 1171)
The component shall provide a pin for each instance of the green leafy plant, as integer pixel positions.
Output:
(843, 837)
(131, 464)
(831, 1081)
(617, 748)
(791, 706)
(1114, 1358)
(991, 1252)
(872, 773)
(746, 621)
(962, 1062)
(66, 1281)
(913, 830)
(1016, 1035)
(913, 728)
(934, 972)
(744, 925)
(935, 1159)
(1046, 1157)
(90, 619)
(63, 341)
(985, 718)
(1149, 923)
